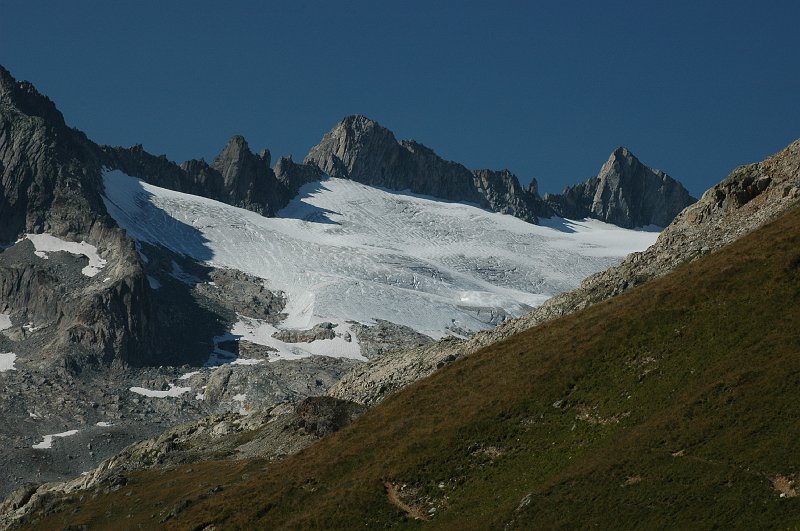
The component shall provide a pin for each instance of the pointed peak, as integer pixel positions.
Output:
(357, 125)
(238, 142)
(24, 97)
(621, 152)
(358, 120)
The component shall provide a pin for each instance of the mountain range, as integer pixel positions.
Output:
(251, 310)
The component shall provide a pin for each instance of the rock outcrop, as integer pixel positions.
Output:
(51, 182)
(503, 193)
(293, 175)
(626, 193)
(362, 150)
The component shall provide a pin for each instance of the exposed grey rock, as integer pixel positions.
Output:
(247, 179)
(244, 294)
(626, 193)
(237, 176)
(503, 193)
(51, 183)
(371, 382)
(362, 150)
(293, 175)
(319, 332)
(384, 337)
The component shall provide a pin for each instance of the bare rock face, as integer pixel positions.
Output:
(247, 179)
(51, 182)
(318, 332)
(293, 175)
(362, 150)
(237, 176)
(503, 193)
(626, 193)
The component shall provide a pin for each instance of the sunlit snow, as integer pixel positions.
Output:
(46, 243)
(47, 441)
(260, 332)
(5, 321)
(7, 361)
(344, 251)
(173, 391)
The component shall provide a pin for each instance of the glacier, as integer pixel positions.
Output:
(342, 251)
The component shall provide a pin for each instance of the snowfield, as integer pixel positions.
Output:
(344, 251)
(47, 441)
(172, 392)
(46, 243)
(7, 360)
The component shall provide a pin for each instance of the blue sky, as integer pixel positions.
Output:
(546, 89)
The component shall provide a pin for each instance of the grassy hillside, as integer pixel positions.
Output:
(675, 404)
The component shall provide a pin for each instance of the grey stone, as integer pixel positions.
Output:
(362, 150)
(626, 193)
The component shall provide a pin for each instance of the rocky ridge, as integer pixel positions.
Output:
(626, 192)
(237, 176)
(360, 149)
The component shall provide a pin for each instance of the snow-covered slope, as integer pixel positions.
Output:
(345, 251)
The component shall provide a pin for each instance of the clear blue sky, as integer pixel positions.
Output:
(546, 89)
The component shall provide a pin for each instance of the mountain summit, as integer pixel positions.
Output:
(362, 150)
(626, 193)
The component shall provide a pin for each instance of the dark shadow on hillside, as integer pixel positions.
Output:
(299, 209)
(184, 325)
(559, 224)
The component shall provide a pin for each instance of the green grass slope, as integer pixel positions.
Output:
(674, 405)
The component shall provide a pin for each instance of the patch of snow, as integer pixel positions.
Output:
(246, 361)
(30, 327)
(173, 391)
(45, 243)
(260, 332)
(153, 281)
(5, 321)
(47, 441)
(33, 415)
(7, 361)
(345, 251)
(200, 396)
(188, 375)
(241, 397)
(104, 424)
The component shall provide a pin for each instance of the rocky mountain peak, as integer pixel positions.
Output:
(23, 96)
(245, 175)
(356, 148)
(625, 192)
